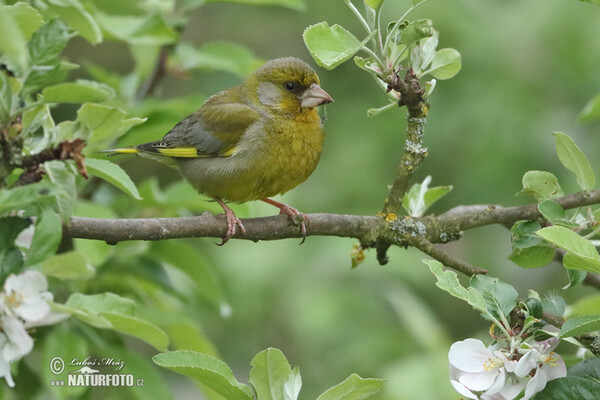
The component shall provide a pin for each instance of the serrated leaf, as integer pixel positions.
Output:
(109, 311)
(522, 234)
(113, 174)
(541, 185)
(269, 373)
(589, 368)
(69, 265)
(353, 388)
(80, 91)
(581, 253)
(331, 45)
(569, 388)
(448, 282)
(48, 42)
(591, 111)
(576, 277)
(579, 325)
(46, 238)
(66, 192)
(554, 305)
(500, 297)
(446, 63)
(27, 18)
(19, 197)
(575, 161)
(206, 369)
(104, 122)
(78, 18)
(532, 257)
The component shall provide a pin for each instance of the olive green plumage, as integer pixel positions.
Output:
(252, 141)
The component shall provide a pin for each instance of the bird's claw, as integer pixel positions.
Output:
(232, 222)
(296, 217)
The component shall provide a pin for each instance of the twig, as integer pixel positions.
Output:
(159, 72)
(447, 259)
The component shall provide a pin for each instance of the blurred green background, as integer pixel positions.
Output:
(529, 67)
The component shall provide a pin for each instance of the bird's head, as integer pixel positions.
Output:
(288, 85)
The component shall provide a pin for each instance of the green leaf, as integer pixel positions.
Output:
(581, 253)
(104, 122)
(554, 305)
(297, 5)
(591, 111)
(27, 18)
(66, 193)
(570, 388)
(208, 370)
(353, 388)
(78, 18)
(532, 257)
(188, 260)
(331, 46)
(500, 297)
(420, 197)
(416, 31)
(18, 198)
(291, 388)
(80, 91)
(69, 265)
(522, 234)
(47, 236)
(579, 325)
(446, 63)
(574, 160)
(589, 368)
(109, 311)
(587, 306)
(374, 4)
(48, 42)
(576, 277)
(113, 174)
(144, 30)
(555, 214)
(219, 56)
(67, 345)
(448, 281)
(12, 42)
(541, 185)
(270, 371)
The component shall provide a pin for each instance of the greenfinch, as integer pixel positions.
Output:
(249, 142)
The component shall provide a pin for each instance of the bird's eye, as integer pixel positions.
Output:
(290, 86)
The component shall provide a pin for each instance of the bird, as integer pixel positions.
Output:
(249, 142)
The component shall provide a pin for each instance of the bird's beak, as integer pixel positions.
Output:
(314, 96)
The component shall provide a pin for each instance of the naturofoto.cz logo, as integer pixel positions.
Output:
(92, 371)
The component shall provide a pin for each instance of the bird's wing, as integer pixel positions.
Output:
(212, 131)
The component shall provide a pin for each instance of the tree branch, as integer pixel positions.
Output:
(421, 233)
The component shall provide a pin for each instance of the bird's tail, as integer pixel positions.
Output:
(124, 150)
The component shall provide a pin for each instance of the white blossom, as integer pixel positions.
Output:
(26, 295)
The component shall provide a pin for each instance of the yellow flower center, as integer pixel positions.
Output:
(551, 360)
(14, 299)
(492, 363)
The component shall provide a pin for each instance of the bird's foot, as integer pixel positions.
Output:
(296, 217)
(232, 222)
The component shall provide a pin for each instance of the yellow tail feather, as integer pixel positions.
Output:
(125, 150)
